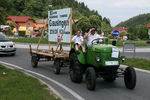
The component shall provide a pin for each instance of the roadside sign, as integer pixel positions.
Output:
(57, 20)
(129, 47)
(115, 33)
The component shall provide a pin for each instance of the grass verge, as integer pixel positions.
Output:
(33, 40)
(45, 41)
(137, 63)
(15, 85)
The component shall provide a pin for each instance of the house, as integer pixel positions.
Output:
(120, 29)
(40, 23)
(22, 23)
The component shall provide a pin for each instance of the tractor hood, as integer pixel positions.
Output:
(102, 48)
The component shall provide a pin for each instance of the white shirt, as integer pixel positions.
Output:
(77, 39)
(91, 37)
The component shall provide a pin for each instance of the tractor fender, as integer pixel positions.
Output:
(81, 57)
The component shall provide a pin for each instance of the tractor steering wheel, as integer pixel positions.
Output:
(96, 40)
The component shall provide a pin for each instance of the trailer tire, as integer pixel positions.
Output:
(57, 66)
(34, 61)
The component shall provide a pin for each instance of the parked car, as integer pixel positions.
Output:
(6, 45)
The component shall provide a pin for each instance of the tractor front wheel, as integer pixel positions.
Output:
(90, 78)
(130, 78)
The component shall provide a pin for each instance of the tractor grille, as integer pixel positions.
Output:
(3, 46)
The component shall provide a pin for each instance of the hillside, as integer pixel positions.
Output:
(39, 8)
(142, 19)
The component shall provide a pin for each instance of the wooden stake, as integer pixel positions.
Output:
(63, 31)
(41, 36)
(70, 28)
(49, 46)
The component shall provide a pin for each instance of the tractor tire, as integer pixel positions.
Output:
(90, 78)
(57, 66)
(34, 61)
(75, 69)
(130, 78)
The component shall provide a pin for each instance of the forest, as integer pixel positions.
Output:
(142, 19)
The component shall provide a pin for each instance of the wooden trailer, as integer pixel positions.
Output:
(59, 56)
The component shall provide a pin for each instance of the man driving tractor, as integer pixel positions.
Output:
(91, 35)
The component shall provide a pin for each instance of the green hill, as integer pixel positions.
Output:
(142, 19)
(40, 8)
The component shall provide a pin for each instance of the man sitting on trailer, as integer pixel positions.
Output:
(78, 40)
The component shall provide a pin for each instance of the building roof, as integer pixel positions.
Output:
(120, 29)
(148, 25)
(42, 21)
(19, 18)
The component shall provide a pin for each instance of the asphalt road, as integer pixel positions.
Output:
(104, 90)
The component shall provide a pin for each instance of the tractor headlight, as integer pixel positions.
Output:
(98, 59)
(123, 58)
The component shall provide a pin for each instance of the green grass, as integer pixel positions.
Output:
(138, 63)
(45, 41)
(33, 40)
(15, 85)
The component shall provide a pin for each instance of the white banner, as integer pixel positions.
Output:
(56, 22)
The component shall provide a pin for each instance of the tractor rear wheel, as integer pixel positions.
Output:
(75, 69)
(130, 78)
(90, 78)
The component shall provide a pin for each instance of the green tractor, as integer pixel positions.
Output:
(101, 60)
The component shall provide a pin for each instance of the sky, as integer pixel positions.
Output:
(118, 10)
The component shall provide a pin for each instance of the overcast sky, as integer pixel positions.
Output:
(118, 10)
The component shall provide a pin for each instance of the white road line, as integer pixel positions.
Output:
(137, 69)
(77, 96)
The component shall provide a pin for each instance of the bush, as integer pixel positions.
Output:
(21, 33)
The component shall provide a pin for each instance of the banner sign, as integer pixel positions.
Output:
(57, 20)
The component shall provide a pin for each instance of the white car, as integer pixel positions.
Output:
(6, 45)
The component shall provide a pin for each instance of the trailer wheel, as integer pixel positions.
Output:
(75, 70)
(130, 78)
(34, 61)
(90, 78)
(57, 66)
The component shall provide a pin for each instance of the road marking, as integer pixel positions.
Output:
(137, 69)
(77, 96)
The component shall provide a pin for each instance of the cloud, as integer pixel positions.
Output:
(132, 4)
(118, 10)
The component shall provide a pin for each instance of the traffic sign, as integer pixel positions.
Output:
(115, 33)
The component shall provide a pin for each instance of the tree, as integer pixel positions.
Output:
(84, 24)
(106, 20)
(106, 28)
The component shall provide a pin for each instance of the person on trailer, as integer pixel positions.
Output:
(78, 40)
(91, 35)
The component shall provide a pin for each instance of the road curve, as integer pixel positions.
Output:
(104, 90)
